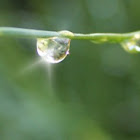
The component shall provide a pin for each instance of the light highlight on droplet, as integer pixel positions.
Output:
(53, 50)
(133, 45)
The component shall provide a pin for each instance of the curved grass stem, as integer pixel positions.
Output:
(95, 37)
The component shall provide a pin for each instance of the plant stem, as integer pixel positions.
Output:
(27, 33)
(95, 37)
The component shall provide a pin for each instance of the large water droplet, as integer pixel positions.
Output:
(54, 49)
(133, 45)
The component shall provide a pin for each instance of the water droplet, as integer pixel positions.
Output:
(54, 49)
(133, 45)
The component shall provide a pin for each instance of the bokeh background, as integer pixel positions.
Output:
(94, 94)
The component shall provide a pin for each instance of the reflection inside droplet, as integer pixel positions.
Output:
(133, 45)
(54, 49)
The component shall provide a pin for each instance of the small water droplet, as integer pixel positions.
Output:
(54, 49)
(133, 45)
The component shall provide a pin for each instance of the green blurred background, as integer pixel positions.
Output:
(94, 94)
